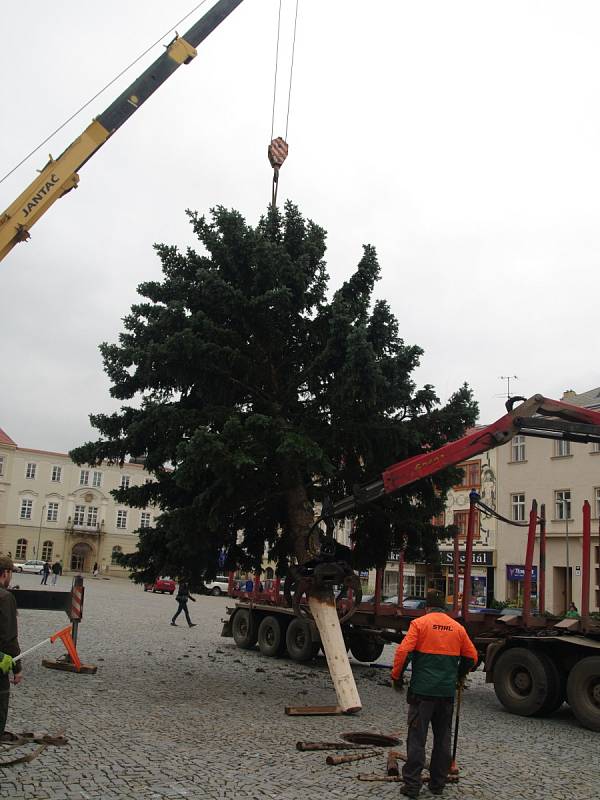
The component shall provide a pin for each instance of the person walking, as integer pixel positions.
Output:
(183, 595)
(56, 571)
(441, 654)
(46, 572)
(9, 642)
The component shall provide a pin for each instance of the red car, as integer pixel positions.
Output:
(161, 585)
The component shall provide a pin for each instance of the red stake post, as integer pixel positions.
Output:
(529, 562)
(473, 498)
(456, 572)
(401, 580)
(542, 571)
(585, 560)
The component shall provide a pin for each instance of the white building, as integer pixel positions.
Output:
(52, 509)
(561, 475)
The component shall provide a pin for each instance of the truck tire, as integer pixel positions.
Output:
(526, 682)
(365, 648)
(271, 637)
(298, 641)
(243, 629)
(583, 692)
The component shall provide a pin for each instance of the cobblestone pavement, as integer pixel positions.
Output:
(178, 712)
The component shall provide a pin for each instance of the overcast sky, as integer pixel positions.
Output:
(462, 139)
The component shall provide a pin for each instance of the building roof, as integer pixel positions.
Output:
(589, 399)
(5, 439)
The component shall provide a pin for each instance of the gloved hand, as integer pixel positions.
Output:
(6, 663)
(398, 685)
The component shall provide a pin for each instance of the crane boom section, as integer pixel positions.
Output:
(538, 416)
(60, 176)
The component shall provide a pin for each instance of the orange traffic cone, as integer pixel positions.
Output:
(67, 640)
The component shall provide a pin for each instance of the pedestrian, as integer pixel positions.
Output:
(572, 611)
(95, 570)
(46, 572)
(9, 643)
(441, 654)
(56, 571)
(183, 595)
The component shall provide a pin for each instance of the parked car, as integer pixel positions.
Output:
(410, 602)
(33, 565)
(161, 585)
(217, 587)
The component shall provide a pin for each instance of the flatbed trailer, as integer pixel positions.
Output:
(535, 661)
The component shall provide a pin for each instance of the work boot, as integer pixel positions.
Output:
(173, 623)
(436, 789)
(192, 624)
(408, 792)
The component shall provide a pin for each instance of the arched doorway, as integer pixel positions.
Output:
(81, 557)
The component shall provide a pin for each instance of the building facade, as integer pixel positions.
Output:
(53, 510)
(560, 475)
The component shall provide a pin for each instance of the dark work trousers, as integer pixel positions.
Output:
(421, 712)
(183, 607)
(4, 697)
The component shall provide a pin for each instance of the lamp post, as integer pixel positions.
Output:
(37, 552)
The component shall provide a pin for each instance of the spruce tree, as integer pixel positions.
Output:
(255, 396)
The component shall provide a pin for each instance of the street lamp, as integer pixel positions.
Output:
(37, 552)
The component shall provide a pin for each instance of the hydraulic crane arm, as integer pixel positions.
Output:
(537, 416)
(60, 176)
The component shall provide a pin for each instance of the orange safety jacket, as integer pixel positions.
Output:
(439, 647)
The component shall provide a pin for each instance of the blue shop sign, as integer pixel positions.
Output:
(515, 572)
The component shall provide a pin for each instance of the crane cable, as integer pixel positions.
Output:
(98, 93)
(278, 149)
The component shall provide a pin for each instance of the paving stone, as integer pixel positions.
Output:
(182, 713)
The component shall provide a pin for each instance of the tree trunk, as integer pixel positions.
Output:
(301, 517)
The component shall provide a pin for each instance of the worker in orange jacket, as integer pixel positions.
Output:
(441, 654)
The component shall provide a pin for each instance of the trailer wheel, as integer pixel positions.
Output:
(365, 648)
(583, 692)
(298, 640)
(243, 629)
(271, 640)
(526, 682)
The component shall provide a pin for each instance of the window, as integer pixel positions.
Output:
(461, 520)
(56, 474)
(92, 516)
(124, 482)
(52, 515)
(21, 551)
(562, 504)
(79, 516)
(116, 552)
(84, 477)
(518, 448)
(439, 519)
(414, 585)
(562, 448)
(26, 509)
(597, 495)
(517, 504)
(145, 519)
(1, 465)
(97, 479)
(471, 478)
(47, 548)
(121, 519)
(30, 471)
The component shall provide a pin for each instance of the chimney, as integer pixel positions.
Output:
(569, 394)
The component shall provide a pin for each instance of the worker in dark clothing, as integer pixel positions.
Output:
(9, 644)
(441, 654)
(45, 573)
(183, 595)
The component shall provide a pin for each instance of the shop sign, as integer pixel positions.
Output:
(364, 573)
(484, 558)
(516, 572)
